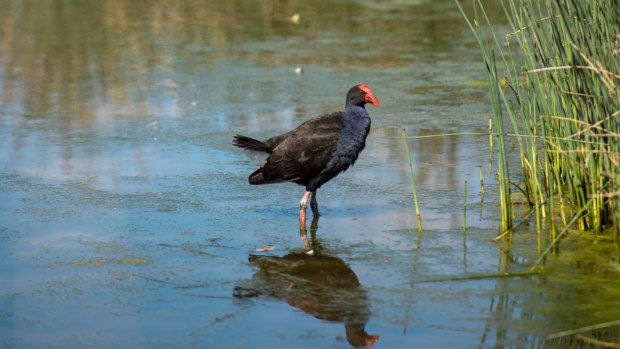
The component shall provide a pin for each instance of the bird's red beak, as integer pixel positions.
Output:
(370, 97)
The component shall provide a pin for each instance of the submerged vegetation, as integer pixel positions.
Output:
(554, 84)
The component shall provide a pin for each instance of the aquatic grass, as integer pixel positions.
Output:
(505, 233)
(413, 191)
(555, 80)
(583, 329)
(488, 57)
(481, 276)
(490, 143)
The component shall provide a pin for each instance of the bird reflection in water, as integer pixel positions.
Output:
(321, 285)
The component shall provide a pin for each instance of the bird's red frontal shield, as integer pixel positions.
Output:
(370, 96)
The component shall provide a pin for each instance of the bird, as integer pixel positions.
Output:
(315, 151)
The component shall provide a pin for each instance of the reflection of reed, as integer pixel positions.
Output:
(321, 285)
(541, 313)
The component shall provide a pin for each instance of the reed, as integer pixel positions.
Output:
(480, 276)
(555, 80)
(582, 330)
(413, 191)
(495, 93)
(490, 141)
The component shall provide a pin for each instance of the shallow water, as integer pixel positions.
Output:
(126, 219)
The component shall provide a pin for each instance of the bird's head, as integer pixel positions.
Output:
(360, 95)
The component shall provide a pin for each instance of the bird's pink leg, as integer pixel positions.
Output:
(302, 209)
(314, 205)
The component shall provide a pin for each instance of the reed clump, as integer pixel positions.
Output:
(555, 80)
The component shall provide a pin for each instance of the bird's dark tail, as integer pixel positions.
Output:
(257, 178)
(251, 144)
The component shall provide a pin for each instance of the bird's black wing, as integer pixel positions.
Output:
(303, 153)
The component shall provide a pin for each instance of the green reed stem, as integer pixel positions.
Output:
(413, 191)
(584, 329)
(491, 145)
(481, 276)
(559, 91)
(505, 233)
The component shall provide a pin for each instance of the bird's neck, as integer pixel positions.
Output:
(356, 103)
(356, 109)
(356, 118)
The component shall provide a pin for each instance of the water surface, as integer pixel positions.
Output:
(126, 219)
